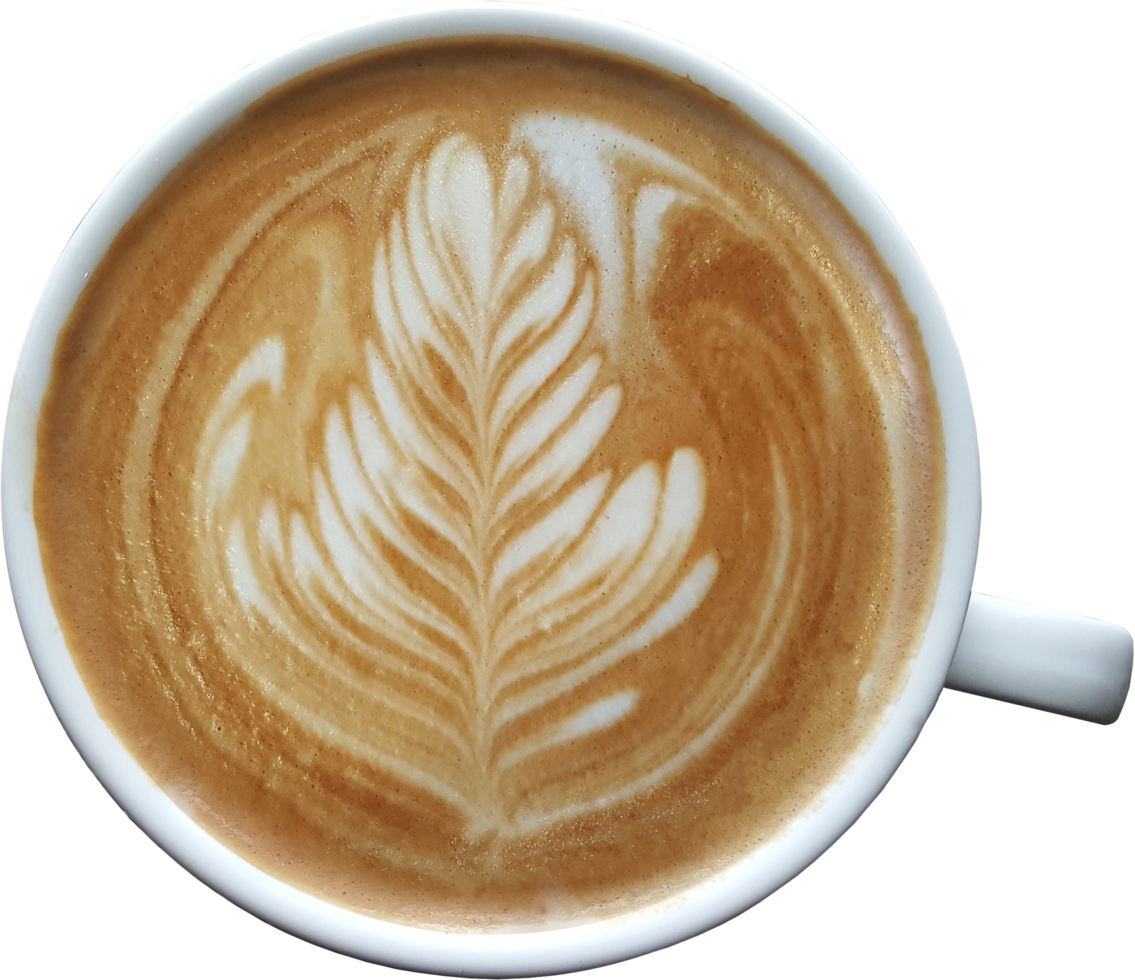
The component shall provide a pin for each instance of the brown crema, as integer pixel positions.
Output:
(492, 484)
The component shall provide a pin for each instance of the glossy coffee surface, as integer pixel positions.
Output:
(492, 484)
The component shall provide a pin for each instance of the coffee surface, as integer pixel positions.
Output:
(491, 484)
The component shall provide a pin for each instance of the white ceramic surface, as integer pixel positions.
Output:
(662, 931)
(1040, 658)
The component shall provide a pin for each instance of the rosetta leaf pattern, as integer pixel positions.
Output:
(457, 538)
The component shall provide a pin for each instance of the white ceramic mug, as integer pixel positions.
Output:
(1084, 667)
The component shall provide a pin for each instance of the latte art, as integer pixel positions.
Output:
(455, 465)
(491, 484)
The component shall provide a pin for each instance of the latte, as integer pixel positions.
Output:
(491, 485)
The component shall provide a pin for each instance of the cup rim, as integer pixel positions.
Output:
(459, 953)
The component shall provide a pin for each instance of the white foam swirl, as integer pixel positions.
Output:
(459, 596)
(450, 535)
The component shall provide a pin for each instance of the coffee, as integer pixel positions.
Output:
(491, 484)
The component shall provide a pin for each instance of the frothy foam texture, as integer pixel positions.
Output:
(492, 484)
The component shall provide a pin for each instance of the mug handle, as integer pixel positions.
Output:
(1071, 665)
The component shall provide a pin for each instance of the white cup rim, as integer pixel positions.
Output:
(457, 953)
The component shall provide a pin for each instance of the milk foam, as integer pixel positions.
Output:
(544, 582)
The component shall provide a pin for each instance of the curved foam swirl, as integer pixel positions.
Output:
(459, 459)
